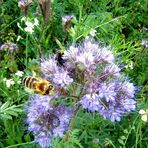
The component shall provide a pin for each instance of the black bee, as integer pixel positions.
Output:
(59, 58)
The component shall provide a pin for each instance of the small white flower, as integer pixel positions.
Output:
(19, 73)
(29, 30)
(23, 19)
(145, 43)
(87, 37)
(130, 65)
(9, 82)
(19, 82)
(29, 24)
(4, 79)
(19, 26)
(36, 22)
(144, 115)
(141, 112)
(30, 27)
(18, 38)
(93, 32)
(144, 118)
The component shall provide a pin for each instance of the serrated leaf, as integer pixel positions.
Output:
(5, 116)
(4, 106)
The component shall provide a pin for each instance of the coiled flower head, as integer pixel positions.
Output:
(45, 121)
(10, 46)
(92, 68)
(105, 89)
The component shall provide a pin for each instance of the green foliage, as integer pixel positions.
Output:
(72, 141)
(119, 24)
(7, 110)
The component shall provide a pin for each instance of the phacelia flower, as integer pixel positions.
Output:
(106, 89)
(66, 20)
(107, 55)
(112, 70)
(107, 92)
(88, 73)
(92, 67)
(58, 75)
(112, 99)
(24, 6)
(88, 55)
(91, 76)
(45, 121)
(10, 46)
(90, 102)
(24, 3)
(113, 113)
(62, 78)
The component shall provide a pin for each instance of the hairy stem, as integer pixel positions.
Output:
(76, 109)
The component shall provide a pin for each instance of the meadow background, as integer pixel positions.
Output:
(123, 25)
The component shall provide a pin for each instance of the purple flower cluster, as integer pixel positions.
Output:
(24, 3)
(46, 121)
(88, 73)
(66, 21)
(59, 75)
(102, 86)
(112, 100)
(10, 46)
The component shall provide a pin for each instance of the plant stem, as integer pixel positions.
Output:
(71, 123)
(16, 145)
(76, 109)
(26, 63)
(130, 130)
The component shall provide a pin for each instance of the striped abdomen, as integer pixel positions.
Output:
(40, 86)
(30, 82)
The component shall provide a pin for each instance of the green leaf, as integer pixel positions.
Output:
(121, 141)
(122, 137)
(11, 112)
(125, 131)
(18, 110)
(4, 106)
(5, 116)
(27, 138)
